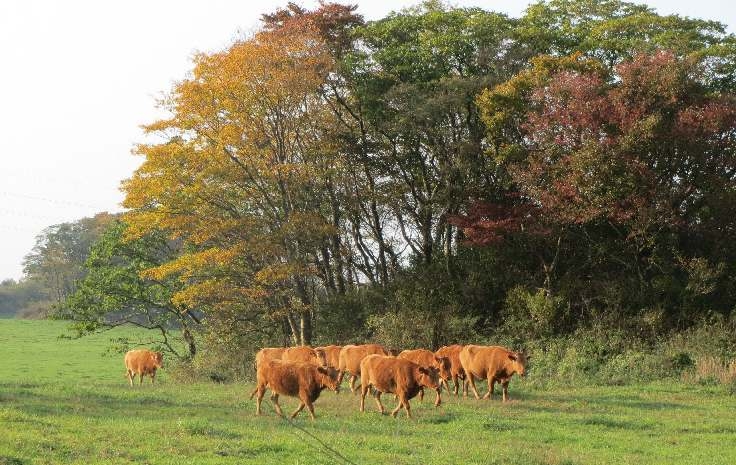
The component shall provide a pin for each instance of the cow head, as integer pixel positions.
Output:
(321, 356)
(329, 378)
(428, 377)
(518, 362)
(158, 359)
(443, 365)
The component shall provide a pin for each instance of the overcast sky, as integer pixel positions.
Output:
(78, 78)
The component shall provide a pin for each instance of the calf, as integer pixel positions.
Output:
(350, 358)
(456, 369)
(402, 377)
(295, 379)
(494, 363)
(427, 359)
(142, 362)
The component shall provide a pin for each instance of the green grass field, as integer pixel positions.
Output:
(66, 401)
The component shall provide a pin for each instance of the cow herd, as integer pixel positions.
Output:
(304, 372)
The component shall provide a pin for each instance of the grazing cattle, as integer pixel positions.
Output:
(350, 358)
(295, 379)
(402, 377)
(142, 362)
(456, 369)
(494, 363)
(304, 354)
(428, 359)
(267, 354)
(332, 355)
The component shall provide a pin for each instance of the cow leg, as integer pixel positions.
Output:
(438, 399)
(421, 394)
(353, 389)
(275, 400)
(398, 407)
(471, 381)
(130, 376)
(261, 390)
(299, 409)
(505, 386)
(153, 377)
(456, 382)
(378, 401)
(403, 403)
(140, 377)
(491, 383)
(363, 392)
(310, 406)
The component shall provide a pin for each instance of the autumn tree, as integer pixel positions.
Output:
(241, 180)
(628, 163)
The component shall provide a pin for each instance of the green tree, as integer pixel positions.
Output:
(114, 293)
(56, 261)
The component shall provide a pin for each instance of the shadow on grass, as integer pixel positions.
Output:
(611, 423)
(251, 451)
(89, 404)
(6, 460)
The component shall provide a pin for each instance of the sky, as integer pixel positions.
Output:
(78, 78)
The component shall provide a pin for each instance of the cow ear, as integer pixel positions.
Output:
(512, 357)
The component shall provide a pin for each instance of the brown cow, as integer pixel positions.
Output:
(494, 363)
(427, 358)
(456, 369)
(267, 354)
(304, 354)
(332, 355)
(142, 362)
(295, 379)
(350, 358)
(402, 377)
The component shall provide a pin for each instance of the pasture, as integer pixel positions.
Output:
(67, 402)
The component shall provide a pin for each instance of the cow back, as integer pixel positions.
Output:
(332, 355)
(352, 355)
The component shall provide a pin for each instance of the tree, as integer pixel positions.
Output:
(113, 293)
(56, 261)
(242, 178)
(632, 162)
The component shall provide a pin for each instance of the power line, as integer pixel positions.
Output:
(25, 214)
(21, 229)
(326, 450)
(54, 201)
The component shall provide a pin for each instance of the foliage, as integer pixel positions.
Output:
(438, 175)
(56, 262)
(18, 298)
(114, 292)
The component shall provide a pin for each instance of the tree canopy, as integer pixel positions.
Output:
(440, 168)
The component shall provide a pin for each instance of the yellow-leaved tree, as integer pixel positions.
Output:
(240, 175)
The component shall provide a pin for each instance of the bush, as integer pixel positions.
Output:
(530, 315)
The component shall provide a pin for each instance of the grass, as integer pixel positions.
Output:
(67, 402)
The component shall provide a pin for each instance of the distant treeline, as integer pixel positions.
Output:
(439, 175)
